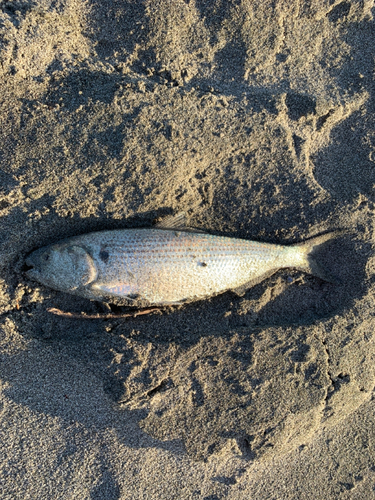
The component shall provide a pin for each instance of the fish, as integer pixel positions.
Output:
(167, 264)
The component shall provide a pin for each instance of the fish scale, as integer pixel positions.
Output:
(163, 265)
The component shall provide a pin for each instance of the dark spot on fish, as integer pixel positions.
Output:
(46, 256)
(202, 264)
(104, 255)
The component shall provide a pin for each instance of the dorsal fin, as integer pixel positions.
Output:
(176, 222)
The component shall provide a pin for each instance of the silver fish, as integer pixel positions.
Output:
(166, 264)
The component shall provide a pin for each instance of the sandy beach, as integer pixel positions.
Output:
(256, 119)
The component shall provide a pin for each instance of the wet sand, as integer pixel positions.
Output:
(257, 120)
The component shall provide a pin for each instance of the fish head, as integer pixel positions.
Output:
(63, 267)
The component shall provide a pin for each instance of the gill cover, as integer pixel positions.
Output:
(64, 268)
(81, 269)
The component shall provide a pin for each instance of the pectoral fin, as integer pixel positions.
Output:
(123, 290)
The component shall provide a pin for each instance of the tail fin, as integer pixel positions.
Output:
(309, 247)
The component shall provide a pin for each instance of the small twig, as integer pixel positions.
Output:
(140, 312)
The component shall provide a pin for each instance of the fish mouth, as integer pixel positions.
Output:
(28, 264)
(31, 272)
(29, 268)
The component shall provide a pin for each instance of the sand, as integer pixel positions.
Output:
(256, 119)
